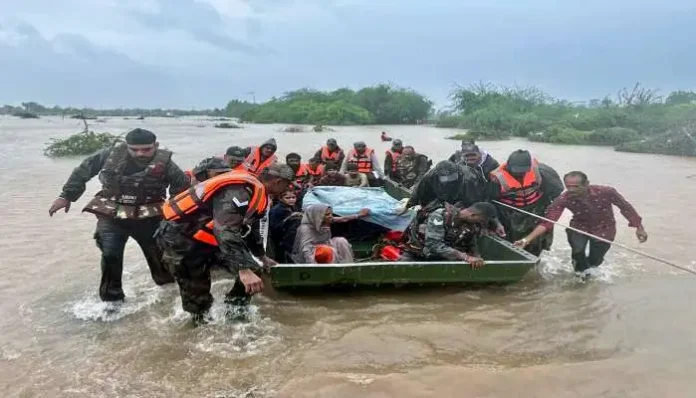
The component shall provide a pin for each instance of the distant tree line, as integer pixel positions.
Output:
(637, 119)
(381, 104)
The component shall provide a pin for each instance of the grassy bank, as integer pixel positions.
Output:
(382, 104)
(636, 119)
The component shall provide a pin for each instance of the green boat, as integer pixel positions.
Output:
(505, 264)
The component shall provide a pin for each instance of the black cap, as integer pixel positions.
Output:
(469, 147)
(283, 171)
(519, 161)
(447, 171)
(235, 152)
(398, 142)
(140, 136)
(331, 141)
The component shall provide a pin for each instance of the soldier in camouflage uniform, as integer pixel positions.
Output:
(447, 233)
(410, 167)
(135, 175)
(229, 208)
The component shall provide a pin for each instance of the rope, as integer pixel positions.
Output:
(650, 256)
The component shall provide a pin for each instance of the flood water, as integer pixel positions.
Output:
(629, 332)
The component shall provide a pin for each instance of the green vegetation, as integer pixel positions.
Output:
(382, 104)
(638, 119)
(236, 108)
(83, 143)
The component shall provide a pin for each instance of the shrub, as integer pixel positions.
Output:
(80, 144)
(613, 136)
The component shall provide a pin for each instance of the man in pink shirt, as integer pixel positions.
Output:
(592, 210)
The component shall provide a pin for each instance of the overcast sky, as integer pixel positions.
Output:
(202, 53)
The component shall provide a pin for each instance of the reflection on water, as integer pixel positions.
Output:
(625, 332)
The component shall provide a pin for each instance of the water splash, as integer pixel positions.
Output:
(91, 308)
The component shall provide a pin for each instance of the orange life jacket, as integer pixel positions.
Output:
(328, 156)
(363, 161)
(319, 171)
(394, 157)
(254, 163)
(191, 201)
(518, 194)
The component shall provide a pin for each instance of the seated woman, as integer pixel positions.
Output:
(313, 242)
(280, 223)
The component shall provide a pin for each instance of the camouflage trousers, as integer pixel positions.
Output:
(190, 262)
(111, 237)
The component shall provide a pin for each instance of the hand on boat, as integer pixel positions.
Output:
(500, 231)
(59, 203)
(363, 213)
(268, 262)
(522, 243)
(252, 283)
(476, 262)
(641, 235)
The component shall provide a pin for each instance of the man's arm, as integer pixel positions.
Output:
(363, 180)
(229, 208)
(375, 164)
(388, 165)
(435, 239)
(344, 166)
(178, 181)
(627, 210)
(77, 182)
(553, 212)
(317, 155)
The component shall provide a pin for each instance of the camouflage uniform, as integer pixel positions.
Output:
(128, 205)
(190, 261)
(433, 236)
(410, 169)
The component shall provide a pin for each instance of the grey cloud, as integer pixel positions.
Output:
(201, 20)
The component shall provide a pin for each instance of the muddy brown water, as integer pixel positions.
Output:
(628, 332)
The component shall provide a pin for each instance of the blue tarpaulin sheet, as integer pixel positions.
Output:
(345, 201)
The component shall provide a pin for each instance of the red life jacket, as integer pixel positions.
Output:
(319, 171)
(254, 163)
(328, 156)
(517, 194)
(394, 157)
(363, 161)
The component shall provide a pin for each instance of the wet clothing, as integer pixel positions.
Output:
(111, 236)
(434, 235)
(128, 205)
(582, 260)
(410, 169)
(237, 235)
(594, 214)
(390, 159)
(360, 180)
(312, 233)
(429, 188)
(518, 225)
(327, 157)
